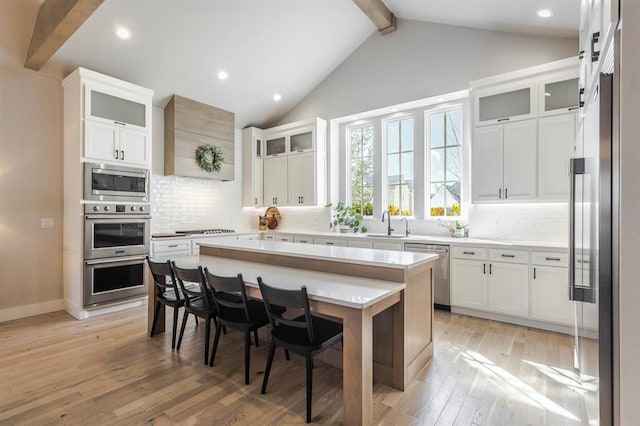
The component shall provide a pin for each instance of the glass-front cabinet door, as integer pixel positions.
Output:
(301, 142)
(116, 107)
(505, 104)
(275, 145)
(559, 94)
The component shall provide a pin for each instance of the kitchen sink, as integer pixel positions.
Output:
(380, 235)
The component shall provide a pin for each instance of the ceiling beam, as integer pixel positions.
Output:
(379, 14)
(57, 21)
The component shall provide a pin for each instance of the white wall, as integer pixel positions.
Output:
(629, 245)
(420, 60)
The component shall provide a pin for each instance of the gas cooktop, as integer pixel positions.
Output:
(207, 231)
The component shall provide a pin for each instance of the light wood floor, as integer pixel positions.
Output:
(55, 369)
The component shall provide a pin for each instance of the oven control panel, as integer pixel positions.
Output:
(125, 208)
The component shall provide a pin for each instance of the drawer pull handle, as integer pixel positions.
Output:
(329, 243)
(469, 252)
(508, 255)
(557, 259)
(172, 246)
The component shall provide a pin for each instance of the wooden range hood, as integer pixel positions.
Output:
(189, 124)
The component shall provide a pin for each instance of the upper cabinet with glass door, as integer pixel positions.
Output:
(559, 94)
(505, 104)
(275, 145)
(117, 105)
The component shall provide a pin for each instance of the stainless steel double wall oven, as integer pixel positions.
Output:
(116, 233)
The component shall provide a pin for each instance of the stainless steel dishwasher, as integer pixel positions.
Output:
(441, 288)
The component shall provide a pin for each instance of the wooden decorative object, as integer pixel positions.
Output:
(188, 125)
(272, 215)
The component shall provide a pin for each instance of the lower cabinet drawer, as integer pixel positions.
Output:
(509, 256)
(303, 239)
(171, 246)
(550, 258)
(330, 242)
(478, 253)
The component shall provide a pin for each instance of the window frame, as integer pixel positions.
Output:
(463, 152)
(348, 129)
(340, 153)
(385, 156)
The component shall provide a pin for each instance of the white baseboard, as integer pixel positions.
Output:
(24, 311)
(525, 322)
(80, 313)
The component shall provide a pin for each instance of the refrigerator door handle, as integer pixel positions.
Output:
(576, 167)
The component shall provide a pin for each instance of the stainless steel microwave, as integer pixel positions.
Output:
(104, 182)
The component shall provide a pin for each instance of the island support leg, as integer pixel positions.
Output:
(357, 370)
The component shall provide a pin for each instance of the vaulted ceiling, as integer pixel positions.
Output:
(266, 46)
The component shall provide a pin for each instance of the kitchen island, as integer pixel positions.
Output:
(383, 298)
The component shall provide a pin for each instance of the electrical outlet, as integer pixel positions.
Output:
(46, 222)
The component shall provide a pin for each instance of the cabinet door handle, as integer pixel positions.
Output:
(117, 154)
(556, 259)
(490, 272)
(302, 199)
(301, 150)
(534, 273)
(172, 246)
(122, 155)
(469, 252)
(503, 119)
(506, 193)
(329, 243)
(573, 108)
(581, 97)
(255, 200)
(500, 193)
(484, 268)
(508, 255)
(120, 123)
(595, 55)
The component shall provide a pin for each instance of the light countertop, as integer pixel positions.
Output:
(362, 256)
(342, 290)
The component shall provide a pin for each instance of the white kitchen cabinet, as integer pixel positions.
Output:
(340, 242)
(276, 181)
(505, 103)
(558, 94)
(117, 120)
(303, 239)
(550, 295)
(388, 245)
(298, 150)
(287, 238)
(556, 140)
(173, 247)
(252, 169)
(504, 162)
(360, 243)
(469, 284)
(301, 172)
(508, 288)
(114, 143)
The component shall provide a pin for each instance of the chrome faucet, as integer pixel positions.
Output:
(406, 227)
(388, 221)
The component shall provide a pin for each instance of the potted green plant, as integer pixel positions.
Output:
(344, 217)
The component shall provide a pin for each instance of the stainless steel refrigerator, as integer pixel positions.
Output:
(592, 242)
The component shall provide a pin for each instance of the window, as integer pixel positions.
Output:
(399, 143)
(444, 135)
(362, 169)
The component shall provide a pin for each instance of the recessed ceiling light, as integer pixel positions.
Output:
(223, 75)
(277, 97)
(545, 13)
(440, 99)
(123, 33)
